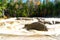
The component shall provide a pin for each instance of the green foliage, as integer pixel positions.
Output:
(2, 6)
(17, 9)
(20, 9)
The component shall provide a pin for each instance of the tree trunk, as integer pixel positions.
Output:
(47, 1)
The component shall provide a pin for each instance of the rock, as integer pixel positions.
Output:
(47, 23)
(57, 22)
(36, 26)
(43, 21)
(18, 18)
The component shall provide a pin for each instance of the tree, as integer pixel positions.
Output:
(3, 6)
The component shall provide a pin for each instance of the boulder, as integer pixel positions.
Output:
(36, 26)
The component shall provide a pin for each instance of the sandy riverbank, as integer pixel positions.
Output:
(2, 37)
(33, 37)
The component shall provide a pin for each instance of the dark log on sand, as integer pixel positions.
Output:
(36, 26)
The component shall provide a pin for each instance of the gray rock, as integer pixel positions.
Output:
(18, 18)
(43, 21)
(36, 26)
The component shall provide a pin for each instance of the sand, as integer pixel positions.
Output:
(9, 37)
(34, 37)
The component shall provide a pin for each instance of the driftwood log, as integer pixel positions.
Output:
(36, 26)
